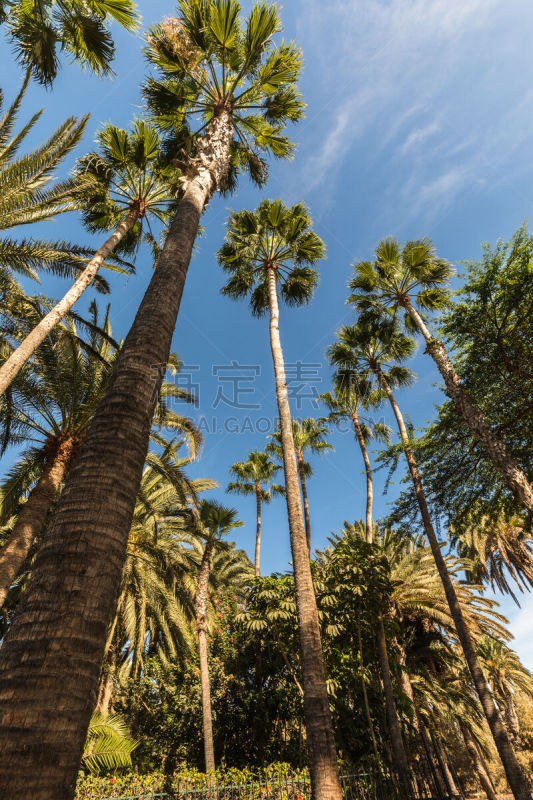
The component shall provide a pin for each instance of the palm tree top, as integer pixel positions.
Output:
(41, 28)
(274, 237)
(212, 62)
(363, 347)
(127, 174)
(399, 275)
(258, 471)
(216, 520)
(309, 436)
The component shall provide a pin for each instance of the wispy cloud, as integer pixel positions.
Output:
(436, 92)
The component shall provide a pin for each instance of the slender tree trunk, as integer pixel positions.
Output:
(479, 764)
(201, 629)
(511, 717)
(305, 498)
(323, 766)
(365, 694)
(11, 368)
(105, 693)
(451, 788)
(368, 471)
(33, 514)
(513, 476)
(398, 747)
(395, 732)
(50, 661)
(517, 779)
(258, 530)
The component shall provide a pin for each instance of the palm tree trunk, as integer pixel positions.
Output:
(323, 766)
(258, 530)
(368, 470)
(201, 629)
(479, 763)
(515, 776)
(30, 520)
(511, 717)
(397, 743)
(365, 695)
(50, 661)
(11, 368)
(395, 733)
(513, 476)
(305, 499)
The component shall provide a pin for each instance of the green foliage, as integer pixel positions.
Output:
(273, 237)
(209, 61)
(260, 471)
(108, 744)
(40, 29)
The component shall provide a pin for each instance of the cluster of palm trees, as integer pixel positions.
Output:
(98, 571)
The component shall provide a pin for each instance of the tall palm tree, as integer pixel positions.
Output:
(254, 477)
(414, 276)
(268, 251)
(41, 28)
(348, 403)
(126, 187)
(506, 674)
(215, 64)
(308, 435)
(363, 348)
(50, 406)
(215, 522)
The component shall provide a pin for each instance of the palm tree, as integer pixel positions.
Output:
(308, 435)
(213, 63)
(506, 674)
(347, 403)
(498, 548)
(266, 251)
(363, 348)
(50, 406)
(155, 606)
(254, 477)
(215, 522)
(39, 28)
(399, 277)
(126, 187)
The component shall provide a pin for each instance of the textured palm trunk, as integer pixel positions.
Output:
(450, 785)
(398, 748)
(517, 779)
(511, 717)
(105, 694)
(365, 695)
(258, 530)
(305, 500)
(479, 764)
(17, 359)
(513, 476)
(395, 733)
(201, 629)
(50, 662)
(368, 471)
(323, 766)
(30, 520)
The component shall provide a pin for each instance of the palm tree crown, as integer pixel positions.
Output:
(41, 28)
(273, 237)
(212, 63)
(258, 470)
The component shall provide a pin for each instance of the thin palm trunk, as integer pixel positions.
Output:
(31, 519)
(64, 615)
(479, 763)
(365, 695)
(515, 776)
(368, 471)
(511, 717)
(323, 764)
(105, 694)
(397, 743)
(201, 629)
(11, 368)
(513, 476)
(305, 500)
(258, 530)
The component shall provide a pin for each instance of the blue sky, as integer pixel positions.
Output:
(419, 123)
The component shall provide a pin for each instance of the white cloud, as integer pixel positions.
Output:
(438, 91)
